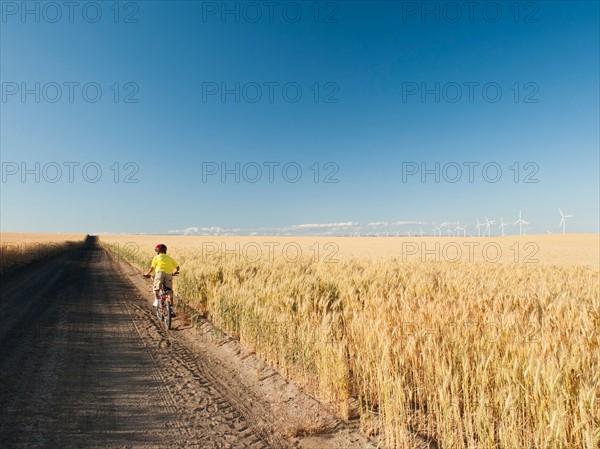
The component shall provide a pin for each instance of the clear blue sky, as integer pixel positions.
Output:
(366, 65)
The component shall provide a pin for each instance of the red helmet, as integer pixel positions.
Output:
(160, 248)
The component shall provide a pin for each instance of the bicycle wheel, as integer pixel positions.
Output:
(159, 310)
(167, 315)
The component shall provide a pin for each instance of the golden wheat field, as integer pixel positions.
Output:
(17, 249)
(476, 351)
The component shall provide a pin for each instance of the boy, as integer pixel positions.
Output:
(165, 268)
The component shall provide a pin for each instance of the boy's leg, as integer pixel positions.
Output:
(157, 285)
(158, 282)
(168, 284)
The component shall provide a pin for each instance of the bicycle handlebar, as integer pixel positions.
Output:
(147, 276)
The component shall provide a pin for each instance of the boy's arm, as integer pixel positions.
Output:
(177, 265)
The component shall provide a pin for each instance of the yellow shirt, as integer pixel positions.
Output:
(164, 263)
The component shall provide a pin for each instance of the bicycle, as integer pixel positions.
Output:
(164, 311)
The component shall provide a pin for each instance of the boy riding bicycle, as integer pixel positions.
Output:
(165, 268)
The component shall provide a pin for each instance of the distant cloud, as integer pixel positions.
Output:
(395, 223)
(213, 230)
(402, 223)
(348, 224)
(447, 223)
(306, 229)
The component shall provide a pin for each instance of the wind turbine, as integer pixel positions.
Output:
(449, 231)
(457, 229)
(478, 227)
(421, 233)
(487, 225)
(521, 222)
(502, 226)
(563, 222)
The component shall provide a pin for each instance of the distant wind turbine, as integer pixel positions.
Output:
(502, 226)
(521, 222)
(563, 222)
(487, 225)
(478, 227)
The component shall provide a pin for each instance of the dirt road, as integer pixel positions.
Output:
(84, 364)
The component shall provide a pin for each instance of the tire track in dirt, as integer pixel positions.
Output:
(187, 385)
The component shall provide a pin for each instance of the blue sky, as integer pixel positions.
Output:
(363, 93)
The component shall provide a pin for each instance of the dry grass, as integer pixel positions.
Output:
(17, 249)
(471, 353)
(552, 249)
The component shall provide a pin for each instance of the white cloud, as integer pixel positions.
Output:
(193, 230)
(448, 223)
(327, 229)
(348, 224)
(395, 223)
(402, 223)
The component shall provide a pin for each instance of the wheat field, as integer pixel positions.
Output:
(19, 249)
(481, 350)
